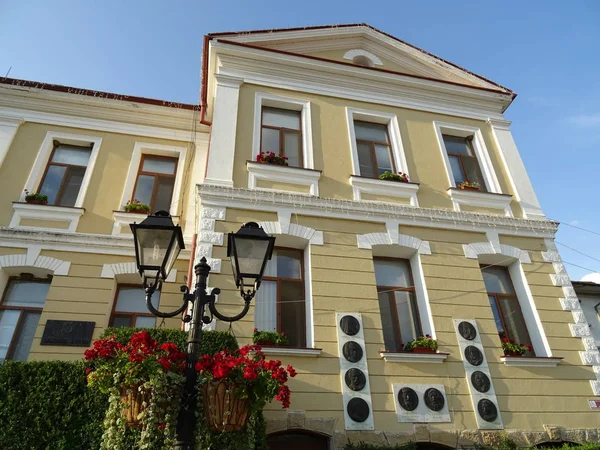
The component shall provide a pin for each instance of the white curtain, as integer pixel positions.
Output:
(265, 318)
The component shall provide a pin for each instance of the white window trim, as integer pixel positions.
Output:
(37, 172)
(481, 152)
(389, 119)
(288, 351)
(521, 361)
(276, 101)
(282, 174)
(46, 212)
(361, 185)
(406, 357)
(122, 218)
(461, 197)
(145, 148)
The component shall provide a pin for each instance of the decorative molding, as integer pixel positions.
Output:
(283, 226)
(351, 54)
(207, 237)
(122, 218)
(282, 174)
(68, 215)
(480, 199)
(8, 130)
(33, 259)
(368, 240)
(590, 357)
(374, 186)
(288, 351)
(477, 249)
(113, 270)
(520, 361)
(217, 195)
(406, 357)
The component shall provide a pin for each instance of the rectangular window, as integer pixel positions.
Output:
(64, 173)
(281, 133)
(505, 305)
(20, 312)
(280, 303)
(463, 161)
(155, 182)
(129, 308)
(374, 149)
(397, 302)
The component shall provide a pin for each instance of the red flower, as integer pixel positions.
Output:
(529, 347)
(88, 370)
(291, 371)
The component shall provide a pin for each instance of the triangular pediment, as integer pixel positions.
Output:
(361, 43)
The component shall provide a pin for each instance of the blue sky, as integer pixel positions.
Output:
(546, 51)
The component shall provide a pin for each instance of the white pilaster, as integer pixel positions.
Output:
(513, 164)
(224, 125)
(8, 129)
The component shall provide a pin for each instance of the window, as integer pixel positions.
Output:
(64, 173)
(129, 308)
(280, 303)
(281, 133)
(463, 162)
(155, 182)
(374, 149)
(505, 305)
(397, 302)
(20, 312)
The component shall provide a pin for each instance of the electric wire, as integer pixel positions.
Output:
(575, 226)
(578, 251)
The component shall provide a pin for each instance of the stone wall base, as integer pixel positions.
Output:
(296, 420)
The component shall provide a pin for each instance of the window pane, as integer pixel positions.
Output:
(52, 182)
(497, 317)
(292, 311)
(291, 148)
(75, 156)
(515, 322)
(365, 161)
(497, 281)
(407, 316)
(282, 118)
(26, 293)
(25, 335)
(164, 193)
(457, 171)
(265, 315)
(143, 190)
(457, 145)
(145, 322)
(289, 264)
(374, 132)
(8, 322)
(388, 322)
(71, 186)
(384, 160)
(121, 321)
(392, 272)
(474, 172)
(133, 299)
(270, 141)
(159, 165)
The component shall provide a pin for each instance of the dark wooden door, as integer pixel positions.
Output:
(294, 440)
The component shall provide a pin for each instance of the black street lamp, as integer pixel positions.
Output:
(157, 244)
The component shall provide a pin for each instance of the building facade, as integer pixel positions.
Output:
(362, 265)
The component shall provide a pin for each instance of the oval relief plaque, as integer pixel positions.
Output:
(467, 330)
(355, 379)
(480, 381)
(352, 351)
(487, 410)
(408, 399)
(349, 325)
(473, 355)
(434, 399)
(358, 409)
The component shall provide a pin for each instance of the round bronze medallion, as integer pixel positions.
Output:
(487, 410)
(434, 399)
(352, 351)
(467, 330)
(408, 399)
(480, 381)
(355, 379)
(358, 410)
(349, 325)
(473, 355)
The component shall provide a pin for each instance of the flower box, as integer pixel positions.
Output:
(271, 158)
(399, 177)
(35, 198)
(423, 350)
(223, 409)
(37, 202)
(469, 188)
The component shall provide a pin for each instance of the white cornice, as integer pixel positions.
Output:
(222, 196)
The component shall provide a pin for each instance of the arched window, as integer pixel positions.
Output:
(297, 440)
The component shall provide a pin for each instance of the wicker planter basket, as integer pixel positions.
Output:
(223, 410)
(132, 401)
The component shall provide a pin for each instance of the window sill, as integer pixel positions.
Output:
(520, 361)
(291, 351)
(387, 188)
(282, 174)
(409, 357)
(68, 214)
(122, 218)
(480, 199)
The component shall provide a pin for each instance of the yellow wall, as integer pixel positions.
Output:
(332, 150)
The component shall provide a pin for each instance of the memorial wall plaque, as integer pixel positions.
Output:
(473, 355)
(349, 325)
(352, 351)
(434, 399)
(480, 381)
(487, 410)
(358, 409)
(68, 333)
(355, 379)
(467, 330)
(408, 399)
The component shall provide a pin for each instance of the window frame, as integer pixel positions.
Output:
(302, 280)
(156, 175)
(134, 315)
(282, 131)
(372, 152)
(469, 142)
(391, 300)
(15, 337)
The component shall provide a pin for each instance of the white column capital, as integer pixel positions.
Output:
(8, 129)
(228, 81)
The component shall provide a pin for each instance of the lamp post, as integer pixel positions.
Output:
(157, 244)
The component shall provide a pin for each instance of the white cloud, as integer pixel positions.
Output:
(574, 222)
(585, 120)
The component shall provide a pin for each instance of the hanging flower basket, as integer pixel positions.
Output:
(223, 409)
(133, 404)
